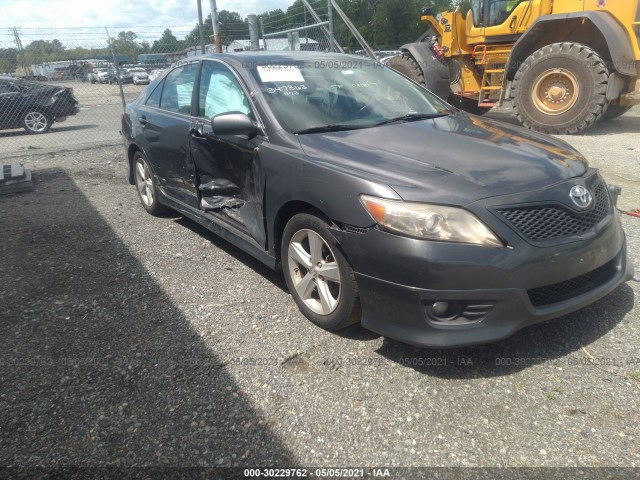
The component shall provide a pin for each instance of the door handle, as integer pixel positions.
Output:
(143, 120)
(513, 22)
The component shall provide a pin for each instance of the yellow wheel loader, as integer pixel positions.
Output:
(562, 65)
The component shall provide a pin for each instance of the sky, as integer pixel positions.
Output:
(45, 19)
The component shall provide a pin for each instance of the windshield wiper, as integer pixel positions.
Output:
(413, 116)
(331, 128)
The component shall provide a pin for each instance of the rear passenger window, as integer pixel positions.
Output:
(178, 88)
(154, 98)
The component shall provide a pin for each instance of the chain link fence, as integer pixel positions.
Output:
(303, 27)
(65, 88)
(59, 88)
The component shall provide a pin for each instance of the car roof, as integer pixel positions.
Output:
(265, 57)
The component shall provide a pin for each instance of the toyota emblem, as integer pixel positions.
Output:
(581, 197)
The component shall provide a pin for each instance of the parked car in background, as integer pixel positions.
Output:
(124, 77)
(34, 106)
(140, 76)
(98, 75)
(155, 73)
(380, 203)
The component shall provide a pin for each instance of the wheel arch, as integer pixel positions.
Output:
(131, 153)
(285, 213)
(597, 30)
(436, 73)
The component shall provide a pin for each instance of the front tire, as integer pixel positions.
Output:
(561, 89)
(37, 122)
(318, 275)
(407, 66)
(146, 185)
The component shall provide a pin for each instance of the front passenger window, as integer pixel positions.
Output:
(178, 89)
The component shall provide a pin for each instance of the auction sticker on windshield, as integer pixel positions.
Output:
(280, 73)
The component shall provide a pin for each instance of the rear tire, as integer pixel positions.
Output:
(407, 66)
(146, 185)
(561, 89)
(318, 275)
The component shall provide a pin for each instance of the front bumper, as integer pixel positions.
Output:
(400, 279)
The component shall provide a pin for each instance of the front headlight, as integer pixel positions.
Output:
(430, 222)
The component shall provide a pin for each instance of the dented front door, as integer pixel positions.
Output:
(229, 177)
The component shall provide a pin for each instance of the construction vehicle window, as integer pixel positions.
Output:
(500, 10)
(476, 10)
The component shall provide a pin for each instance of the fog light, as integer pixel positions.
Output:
(439, 309)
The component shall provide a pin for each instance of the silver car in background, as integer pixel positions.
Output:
(140, 76)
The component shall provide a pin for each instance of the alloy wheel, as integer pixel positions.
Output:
(314, 272)
(36, 121)
(144, 183)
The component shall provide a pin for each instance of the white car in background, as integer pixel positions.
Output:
(140, 76)
(99, 75)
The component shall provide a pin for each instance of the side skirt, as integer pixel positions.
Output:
(221, 228)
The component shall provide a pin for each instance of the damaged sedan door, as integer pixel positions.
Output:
(229, 177)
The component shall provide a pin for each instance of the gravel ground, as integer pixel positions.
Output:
(129, 340)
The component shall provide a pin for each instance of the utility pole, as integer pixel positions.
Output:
(200, 32)
(23, 61)
(16, 34)
(217, 41)
(330, 18)
(117, 67)
(253, 32)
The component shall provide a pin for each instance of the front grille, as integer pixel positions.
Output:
(553, 222)
(562, 291)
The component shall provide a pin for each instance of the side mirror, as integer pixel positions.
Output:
(233, 123)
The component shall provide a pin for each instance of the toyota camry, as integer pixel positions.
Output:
(379, 202)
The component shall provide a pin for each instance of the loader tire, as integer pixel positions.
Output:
(560, 89)
(407, 66)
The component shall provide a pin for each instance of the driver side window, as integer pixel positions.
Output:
(220, 92)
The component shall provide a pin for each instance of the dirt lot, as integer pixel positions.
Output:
(129, 340)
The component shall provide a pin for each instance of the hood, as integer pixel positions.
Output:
(457, 159)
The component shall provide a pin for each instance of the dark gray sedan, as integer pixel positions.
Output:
(380, 203)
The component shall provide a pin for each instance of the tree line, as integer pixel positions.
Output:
(385, 24)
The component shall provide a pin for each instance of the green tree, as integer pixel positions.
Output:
(125, 44)
(41, 51)
(8, 60)
(167, 43)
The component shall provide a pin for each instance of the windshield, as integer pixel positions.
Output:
(342, 95)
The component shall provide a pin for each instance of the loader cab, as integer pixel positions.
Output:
(491, 13)
(499, 21)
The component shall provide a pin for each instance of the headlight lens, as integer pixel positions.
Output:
(430, 222)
